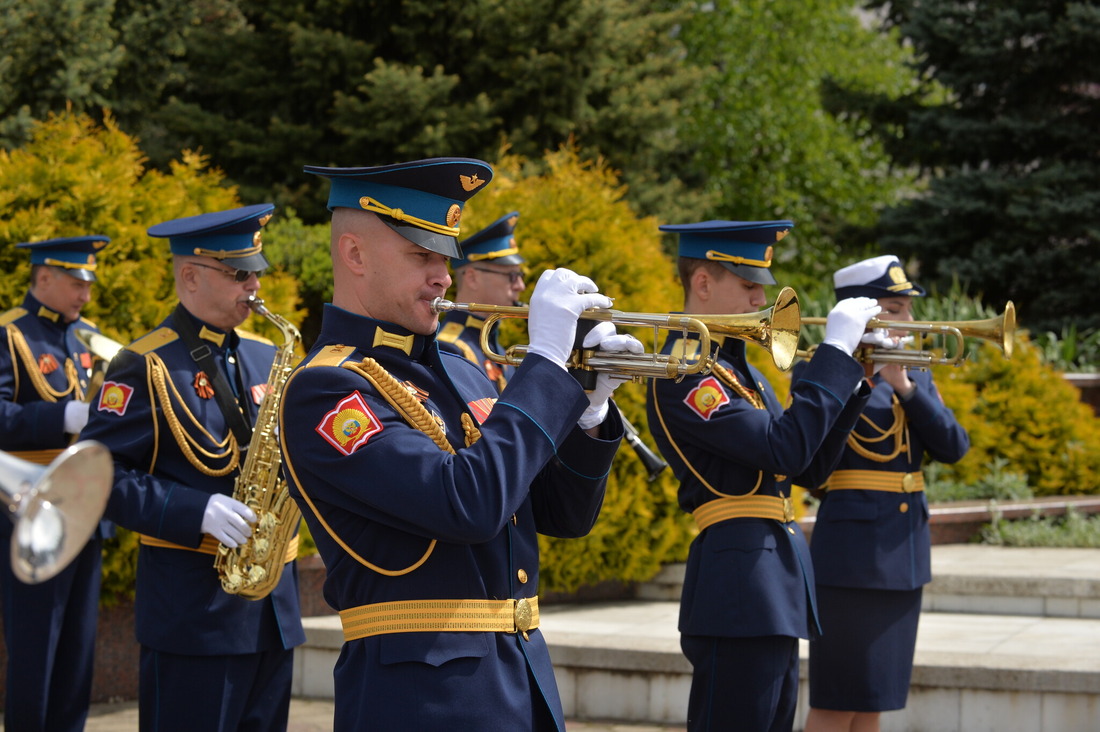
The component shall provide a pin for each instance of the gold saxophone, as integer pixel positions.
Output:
(252, 570)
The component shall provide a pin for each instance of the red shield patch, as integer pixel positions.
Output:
(85, 360)
(259, 391)
(350, 424)
(480, 408)
(707, 397)
(115, 397)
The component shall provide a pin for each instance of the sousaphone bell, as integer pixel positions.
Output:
(55, 508)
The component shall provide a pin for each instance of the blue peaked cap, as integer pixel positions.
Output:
(742, 247)
(496, 243)
(421, 200)
(231, 236)
(74, 254)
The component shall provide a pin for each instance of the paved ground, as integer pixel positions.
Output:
(308, 715)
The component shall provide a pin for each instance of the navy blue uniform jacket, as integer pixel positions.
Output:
(875, 539)
(750, 577)
(180, 606)
(27, 421)
(385, 491)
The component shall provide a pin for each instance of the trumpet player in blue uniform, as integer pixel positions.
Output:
(487, 272)
(871, 544)
(49, 628)
(425, 488)
(177, 410)
(748, 588)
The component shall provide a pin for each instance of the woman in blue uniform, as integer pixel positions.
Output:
(871, 545)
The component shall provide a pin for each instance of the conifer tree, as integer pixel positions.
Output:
(1004, 129)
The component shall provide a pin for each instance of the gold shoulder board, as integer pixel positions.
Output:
(685, 348)
(331, 356)
(12, 315)
(153, 341)
(450, 332)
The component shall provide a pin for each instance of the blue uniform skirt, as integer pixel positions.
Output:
(864, 659)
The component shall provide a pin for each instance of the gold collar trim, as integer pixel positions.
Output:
(212, 335)
(45, 312)
(401, 343)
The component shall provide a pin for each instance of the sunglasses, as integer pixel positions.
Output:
(238, 275)
(513, 277)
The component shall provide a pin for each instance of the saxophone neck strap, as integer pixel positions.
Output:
(223, 394)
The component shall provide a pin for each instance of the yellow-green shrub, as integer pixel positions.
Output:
(1023, 411)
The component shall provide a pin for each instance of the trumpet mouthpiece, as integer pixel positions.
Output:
(440, 305)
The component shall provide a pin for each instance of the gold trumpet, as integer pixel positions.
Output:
(1000, 330)
(775, 329)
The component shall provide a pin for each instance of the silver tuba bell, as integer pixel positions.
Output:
(55, 508)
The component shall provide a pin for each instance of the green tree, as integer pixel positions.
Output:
(1012, 207)
(269, 86)
(766, 145)
(54, 55)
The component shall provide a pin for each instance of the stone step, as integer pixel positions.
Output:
(1010, 640)
(971, 672)
(622, 661)
(975, 578)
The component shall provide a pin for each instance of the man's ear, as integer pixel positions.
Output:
(702, 284)
(349, 248)
(188, 276)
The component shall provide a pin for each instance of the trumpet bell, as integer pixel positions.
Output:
(775, 329)
(55, 509)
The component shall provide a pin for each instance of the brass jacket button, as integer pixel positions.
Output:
(522, 576)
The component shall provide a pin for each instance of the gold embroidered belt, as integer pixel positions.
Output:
(876, 480)
(722, 509)
(441, 616)
(38, 457)
(210, 545)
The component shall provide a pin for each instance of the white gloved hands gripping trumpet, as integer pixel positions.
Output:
(560, 296)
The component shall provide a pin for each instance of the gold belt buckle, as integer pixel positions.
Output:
(788, 510)
(522, 617)
(908, 482)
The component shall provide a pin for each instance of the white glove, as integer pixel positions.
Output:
(227, 520)
(76, 416)
(604, 336)
(881, 338)
(847, 320)
(559, 297)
